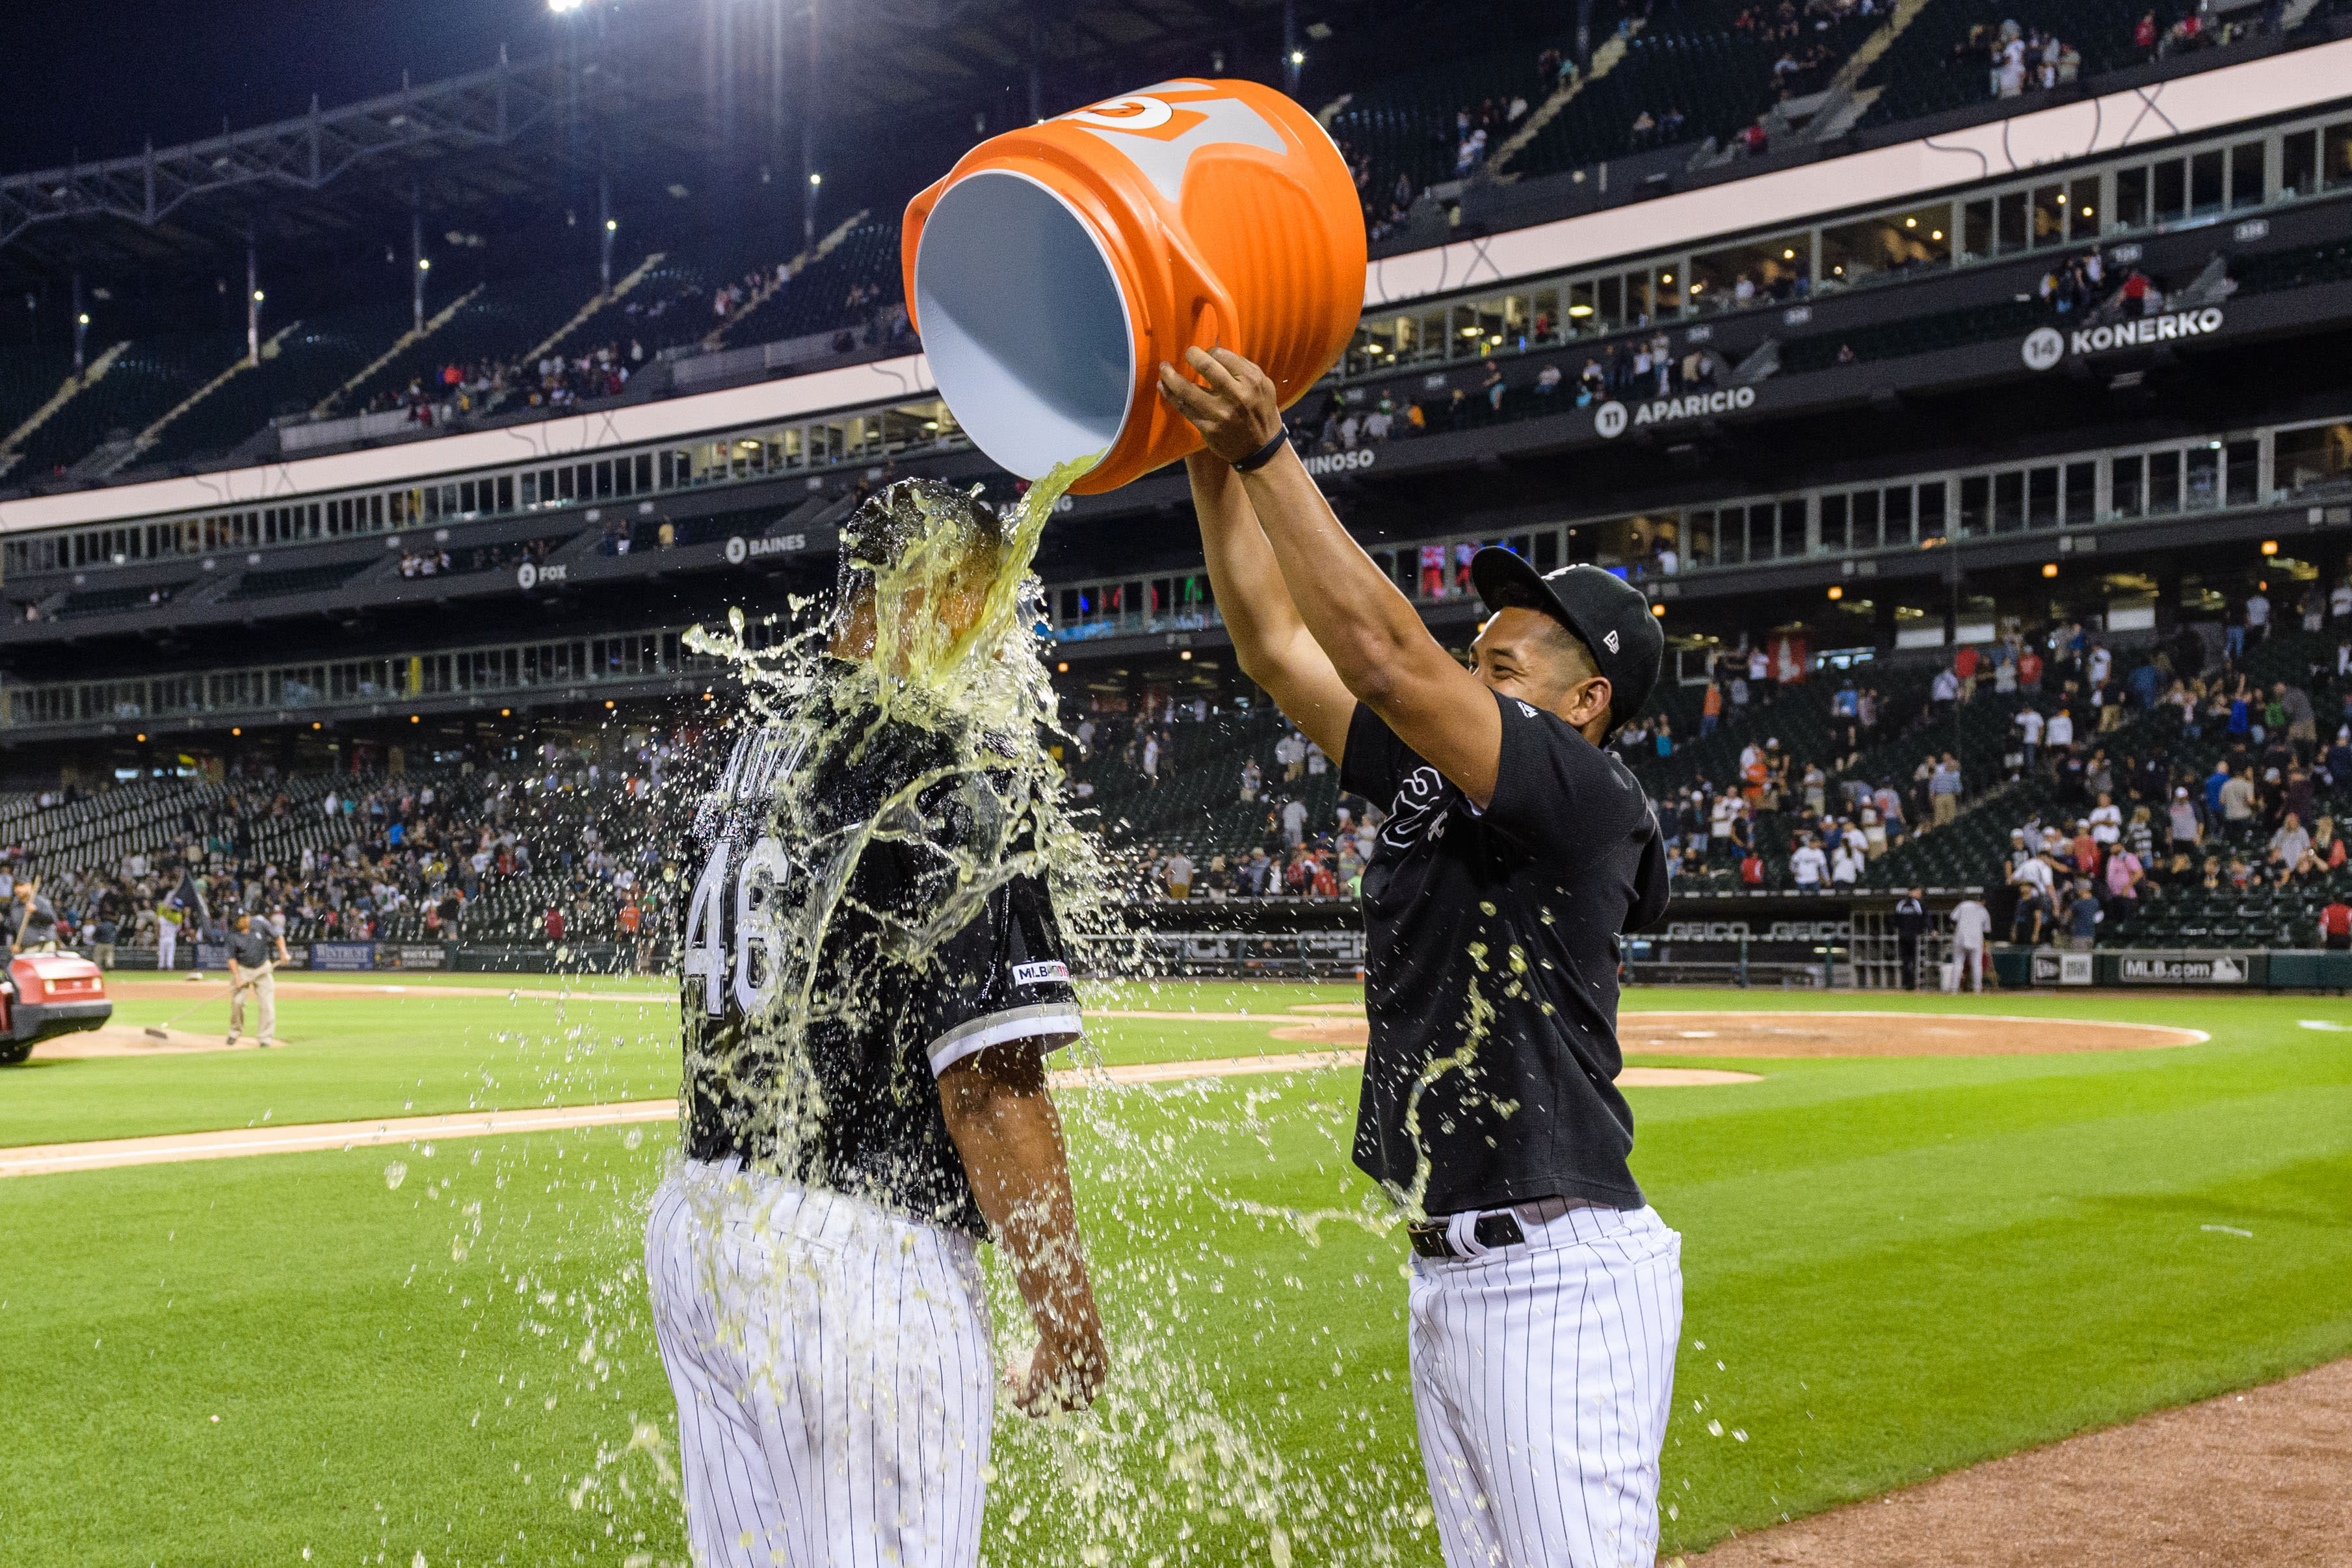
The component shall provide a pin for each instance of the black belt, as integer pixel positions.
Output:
(1495, 1228)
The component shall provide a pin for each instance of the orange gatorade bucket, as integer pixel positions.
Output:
(1056, 266)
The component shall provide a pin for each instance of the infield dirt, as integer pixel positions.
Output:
(2247, 1480)
(1792, 1034)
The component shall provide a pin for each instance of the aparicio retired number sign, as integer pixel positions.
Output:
(2045, 348)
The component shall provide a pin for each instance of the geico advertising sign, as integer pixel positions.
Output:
(1612, 418)
(2044, 348)
(1740, 931)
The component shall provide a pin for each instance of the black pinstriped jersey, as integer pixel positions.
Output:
(823, 1067)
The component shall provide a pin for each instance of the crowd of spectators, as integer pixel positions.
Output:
(2019, 60)
(1295, 856)
(402, 861)
(1824, 819)
(1476, 132)
(2133, 830)
(553, 381)
(1633, 368)
(440, 562)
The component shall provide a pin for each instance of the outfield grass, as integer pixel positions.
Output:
(1895, 1267)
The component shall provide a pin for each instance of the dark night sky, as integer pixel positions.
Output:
(103, 75)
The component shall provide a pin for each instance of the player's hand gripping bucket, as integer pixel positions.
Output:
(1056, 266)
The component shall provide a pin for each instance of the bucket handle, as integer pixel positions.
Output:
(1201, 293)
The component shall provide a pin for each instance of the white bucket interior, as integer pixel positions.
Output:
(1023, 322)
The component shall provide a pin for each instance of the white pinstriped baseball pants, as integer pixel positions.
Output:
(835, 1385)
(1542, 1375)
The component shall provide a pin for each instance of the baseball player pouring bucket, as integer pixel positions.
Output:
(1546, 1295)
(874, 975)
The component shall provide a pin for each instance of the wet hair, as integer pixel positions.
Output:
(900, 519)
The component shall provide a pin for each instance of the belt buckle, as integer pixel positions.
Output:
(1429, 1238)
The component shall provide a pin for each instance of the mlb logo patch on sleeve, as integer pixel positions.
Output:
(1040, 974)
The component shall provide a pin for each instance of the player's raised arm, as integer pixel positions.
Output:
(1004, 1126)
(1367, 631)
(1270, 639)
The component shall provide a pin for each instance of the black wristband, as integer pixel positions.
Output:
(1264, 454)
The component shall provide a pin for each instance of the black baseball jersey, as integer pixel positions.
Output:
(1491, 966)
(823, 1067)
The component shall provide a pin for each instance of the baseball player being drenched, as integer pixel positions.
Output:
(874, 978)
(1545, 1296)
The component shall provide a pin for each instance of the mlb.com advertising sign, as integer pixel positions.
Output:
(2202, 970)
(2045, 348)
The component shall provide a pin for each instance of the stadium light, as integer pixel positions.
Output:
(1299, 57)
(142, 740)
(1062, 668)
(1910, 223)
(612, 225)
(257, 297)
(817, 179)
(1836, 593)
(415, 719)
(2050, 568)
(563, 8)
(506, 713)
(1659, 611)
(423, 263)
(235, 731)
(2270, 547)
(1186, 655)
(83, 319)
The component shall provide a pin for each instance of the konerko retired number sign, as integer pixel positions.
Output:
(2045, 348)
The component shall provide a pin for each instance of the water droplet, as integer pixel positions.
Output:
(394, 1174)
(1715, 1428)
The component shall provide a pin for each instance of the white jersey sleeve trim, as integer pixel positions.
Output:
(996, 1029)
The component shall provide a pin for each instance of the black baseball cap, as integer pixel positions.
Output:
(1608, 614)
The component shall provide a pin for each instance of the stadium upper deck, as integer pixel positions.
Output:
(683, 304)
(1835, 324)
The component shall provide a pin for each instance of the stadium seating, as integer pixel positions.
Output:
(1917, 335)
(1406, 125)
(500, 325)
(816, 298)
(1933, 66)
(310, 361)
(1692, 59)
(29, 377)
(145, 381)
(299, 580)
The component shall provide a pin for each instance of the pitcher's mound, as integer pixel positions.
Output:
(1828, 1034)
(130, 1040)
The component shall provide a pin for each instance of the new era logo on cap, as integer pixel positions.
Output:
(1611, 640)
